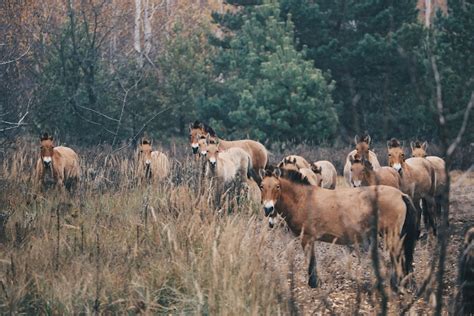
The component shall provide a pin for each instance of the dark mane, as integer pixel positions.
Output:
(417, 144)
(146, 142)
(205, 127)
(295, 177)
(393, 143)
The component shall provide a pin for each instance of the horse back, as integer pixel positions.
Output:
(388, 176)
(160, 164)
(258, 153)
(440, 170)
(349, 211)
(422, 174)
(67, 161)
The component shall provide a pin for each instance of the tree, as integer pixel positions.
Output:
(369, 48)
(264, 87)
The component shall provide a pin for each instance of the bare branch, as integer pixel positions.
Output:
(15, 125)
(16, 59)
(458, 138)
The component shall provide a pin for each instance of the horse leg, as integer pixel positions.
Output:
(308, 246)
(429, 214)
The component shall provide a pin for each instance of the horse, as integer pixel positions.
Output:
(342, 216)
(328, 173)
(294, 162)
(152, 165)
(59, 165)
(363, 174)
(315, 173)
(198, 130)
(257, 152)
(417, 180)
(419, 150)
(465, 306)
(363, 149)
(226, 165)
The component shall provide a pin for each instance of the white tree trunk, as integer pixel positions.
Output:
(137, 38)
(427, 13)
(149, 10)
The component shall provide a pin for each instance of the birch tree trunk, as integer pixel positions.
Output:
(149, 10)
(136, 38)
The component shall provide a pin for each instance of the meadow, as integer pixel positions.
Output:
(120, 246)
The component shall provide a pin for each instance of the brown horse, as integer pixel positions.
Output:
(342, 216)
(363, 174)
(417, 180)
(59, 165)
(197, 131)
(419, 150)
(328, 173)
(152, 165)
(257, 152)
(363, 149)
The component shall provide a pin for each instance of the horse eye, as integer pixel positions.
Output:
(390, 155)
(278, 187)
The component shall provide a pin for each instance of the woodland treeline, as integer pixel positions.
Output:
(105, 71)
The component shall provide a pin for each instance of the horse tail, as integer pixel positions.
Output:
(410, 232)
(251, 171)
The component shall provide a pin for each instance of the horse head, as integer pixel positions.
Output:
(396, 154)
(47, 149)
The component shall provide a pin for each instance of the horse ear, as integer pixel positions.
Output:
(356, 139)
(412, 145)
(367, 139)
(316, 169)
(277, 172)
(262, 173)
(351, 159)
(424, 146)
(44, 136)
(294, 161)
(281, 164)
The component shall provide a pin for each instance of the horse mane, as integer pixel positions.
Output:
(393, 143)
(418, 144)
(295, 177)
(46, 136)
(207, 128)
(146, 142)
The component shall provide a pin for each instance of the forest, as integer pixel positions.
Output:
(277, 71)
(236, 157)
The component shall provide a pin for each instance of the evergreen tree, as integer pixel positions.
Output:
(265, 88)
(370, 49)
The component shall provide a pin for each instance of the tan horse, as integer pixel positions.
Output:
(363, 149)
(417, 180)
(419, 150)
(294, 162)
(363, 174)
(152, 165)
(228, 164)
(342, 216)
(328, 173)
(59, 165)
(257, 152)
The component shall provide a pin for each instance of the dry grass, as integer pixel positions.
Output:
(120, 247)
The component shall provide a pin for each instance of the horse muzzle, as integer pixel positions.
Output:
(268, 208)
(195, 148)
(356, 183)
(203, 153)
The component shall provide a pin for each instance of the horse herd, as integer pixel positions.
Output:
(305, 194)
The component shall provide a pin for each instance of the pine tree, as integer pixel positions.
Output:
(266, 88)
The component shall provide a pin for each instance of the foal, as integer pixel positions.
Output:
(342, 216)
(363, 149)
(59, 165)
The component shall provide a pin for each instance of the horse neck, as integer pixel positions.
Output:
(370, 178)
(287, 204)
